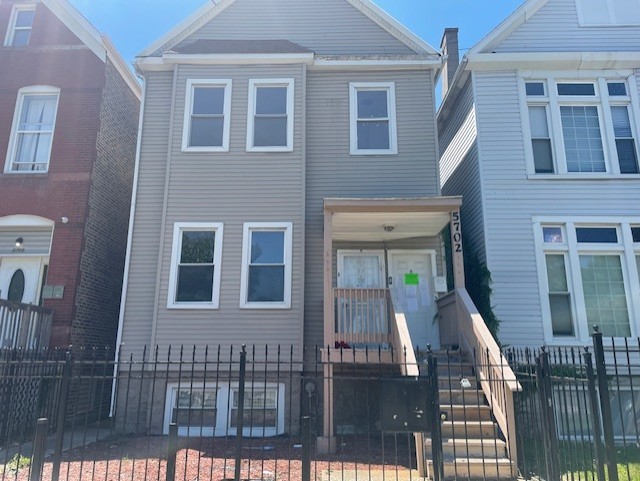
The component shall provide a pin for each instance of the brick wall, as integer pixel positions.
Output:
(103, 257)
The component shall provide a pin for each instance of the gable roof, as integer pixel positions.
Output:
(213, 8)
(99, 44)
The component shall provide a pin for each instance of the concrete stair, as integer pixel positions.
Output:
(472, 446)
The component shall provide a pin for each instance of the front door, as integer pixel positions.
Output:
(411, 278)
(20, 279)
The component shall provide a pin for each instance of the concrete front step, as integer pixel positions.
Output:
(469, 429)
(466, 412)
(455, 382)
(470, 468)
(455, 369)
(471, 448)
(461, 396)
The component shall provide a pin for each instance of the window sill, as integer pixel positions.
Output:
(204, 150)
(269, 149)
(204, 306)
(24, 174)
(581, 177)
(373, 152)
(265, 305)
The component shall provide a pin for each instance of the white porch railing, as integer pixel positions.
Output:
(362, 316)
(24, 326)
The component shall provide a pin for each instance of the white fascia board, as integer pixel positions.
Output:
(79, 25)
(523, 13)
(326, 64)
(189, 25)
(392, 26)
(553, 60)
(235, 59)
(122, 67)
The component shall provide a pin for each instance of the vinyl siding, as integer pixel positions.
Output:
(332, 172)
(327, 27)
(141, 286)
(459, 170)
(37, 240)
(234, 187)
(555, 28)
(511, 200)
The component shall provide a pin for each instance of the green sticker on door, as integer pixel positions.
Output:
(411, 279)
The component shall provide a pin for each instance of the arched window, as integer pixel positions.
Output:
(16, 287)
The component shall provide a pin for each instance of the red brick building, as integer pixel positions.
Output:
(69, 109)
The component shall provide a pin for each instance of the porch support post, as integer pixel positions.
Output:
(456, 250)
(327, 443)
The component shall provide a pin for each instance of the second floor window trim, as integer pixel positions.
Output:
(20, 25)
(207, 115)
(266, 112)
(591, 126)
(366, 118)
(34, 121)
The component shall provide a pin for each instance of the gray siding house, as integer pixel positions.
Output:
(287, 193)
(539, 132)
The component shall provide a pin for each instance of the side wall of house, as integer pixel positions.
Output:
(332, 172)
(511, 200)
(105, 236)
(459, 169)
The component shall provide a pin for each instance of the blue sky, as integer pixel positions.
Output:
(134, 24)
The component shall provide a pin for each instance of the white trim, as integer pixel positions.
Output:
(192, 84)
(25, 220)
(254, 84)
(127, 261)
(367, 64)
(249, 227)
(553, 60)
(224, 406)
(214, 8)
(341, 253)
(33, 90)
(178, 229)
(624, 248)
(11, 27)
(390, 87)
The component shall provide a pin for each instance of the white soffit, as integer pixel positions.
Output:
(370, 226)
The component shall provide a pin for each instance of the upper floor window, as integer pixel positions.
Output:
(20, 23)
(266, 265)
(608, 12)
(32, 132)
(194, 278)
(270, 115)
(373, 118)
(580, 127)
(207, 116)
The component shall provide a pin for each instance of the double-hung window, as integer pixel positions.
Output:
(270, 115)
(32, 133)
(194, 278)
(207, 116)
(588, 277)
(373, 118)
(20, 24)
(266, 265)
(581, 127)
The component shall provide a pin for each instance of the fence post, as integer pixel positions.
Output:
(595, 410)
(545, 393)
(39, 448)
(172, 453)
(61, 416)
(605, 406)
(306, 448)
(436, 426)
(240, 412)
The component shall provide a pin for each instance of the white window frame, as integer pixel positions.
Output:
(11, 28)
(625, 248)
(248, 228)
(224, 403)
(23, 93)
(178, 229)
(390, 87)
(601, 100)
(192, 84)
(613, 22)
(254, 84)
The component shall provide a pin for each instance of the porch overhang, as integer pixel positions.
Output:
(376, 219)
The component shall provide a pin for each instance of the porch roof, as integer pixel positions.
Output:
(376, 219)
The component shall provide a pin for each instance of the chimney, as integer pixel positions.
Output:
(449, 48)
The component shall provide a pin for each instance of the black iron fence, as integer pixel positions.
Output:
(341, 414)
